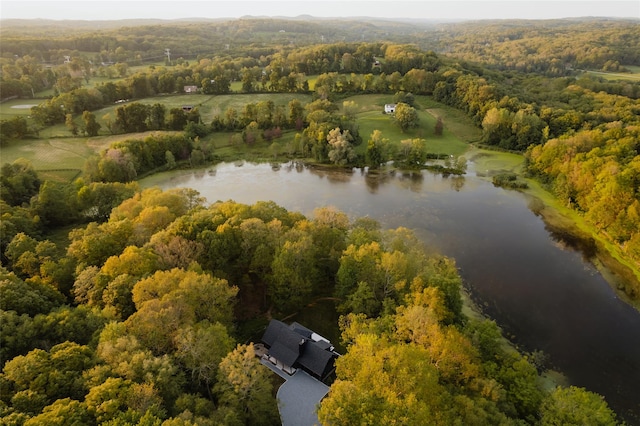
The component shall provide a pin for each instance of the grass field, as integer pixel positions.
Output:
(370, 118)
(634, 75)
(60, 159)
(12, 108)
(54, 159)
(61, 156)
(208, 105)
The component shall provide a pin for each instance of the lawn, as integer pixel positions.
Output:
(63, 155)
(208, 105)
(60, 159)
(55, 159)
(634, 75)
(218, 104)
(14, 107)
(373, 119)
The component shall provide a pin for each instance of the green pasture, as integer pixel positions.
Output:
(55, 159)
(373, 118)
(14, 107)
(59, 159)
(634, 75)
(55, 149)
(208, 105)
(218, 104)
(264, 151)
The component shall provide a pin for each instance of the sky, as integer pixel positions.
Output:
(423, 9)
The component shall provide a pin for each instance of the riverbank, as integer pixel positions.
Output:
(606, 256)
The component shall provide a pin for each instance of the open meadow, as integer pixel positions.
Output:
(61, 156)
(633, 75)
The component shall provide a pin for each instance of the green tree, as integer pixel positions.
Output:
(439, 127)
(576, 406)
(107, 400)
(496, 127)
(26, 297)
(97, 199)
(169, 300)
(132, 117)
(171, 160)
(56, 203)
(414, 152)
(94, 244)
(293, 271)
(13, 128)
(91, 126)
(157, 116)
(18, 182)
(116, 166)
(56, 374)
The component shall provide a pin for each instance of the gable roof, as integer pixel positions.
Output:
(297, 346)
(316, 360)
(300, 329)
(274, 330)
(286, 352)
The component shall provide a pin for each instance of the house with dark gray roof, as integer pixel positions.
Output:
(294, 346)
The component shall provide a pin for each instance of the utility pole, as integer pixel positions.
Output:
(168, 53)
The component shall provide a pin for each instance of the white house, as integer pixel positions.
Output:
(389, 108)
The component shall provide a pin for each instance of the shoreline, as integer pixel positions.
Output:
(606, 256)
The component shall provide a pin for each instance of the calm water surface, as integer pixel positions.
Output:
(545, 295)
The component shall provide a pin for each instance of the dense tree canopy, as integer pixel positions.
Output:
(139, 319)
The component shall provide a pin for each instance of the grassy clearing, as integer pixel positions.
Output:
(370, 118)
(208, 105)
(455, 121)
(60, 159)
(263, 151)
(55, 149)
(14, 107)
(489, 163)
(218, 104)
(68, 153)
(634, 75)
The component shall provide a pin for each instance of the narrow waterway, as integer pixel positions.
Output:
(545, 294)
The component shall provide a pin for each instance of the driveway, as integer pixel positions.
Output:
(298, 397)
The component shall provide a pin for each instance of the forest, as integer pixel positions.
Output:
(128, 306)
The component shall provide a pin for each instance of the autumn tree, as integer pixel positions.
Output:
(340, 148)
(378, 150)
(244, 385)
(406, 116)
(413, 153)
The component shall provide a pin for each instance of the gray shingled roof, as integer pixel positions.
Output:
(316, 360)
(292, 346)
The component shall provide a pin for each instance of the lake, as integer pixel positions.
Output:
(542, 291)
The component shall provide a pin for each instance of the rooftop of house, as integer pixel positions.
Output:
(296, 346)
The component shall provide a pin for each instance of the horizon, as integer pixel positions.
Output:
(100, 10)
